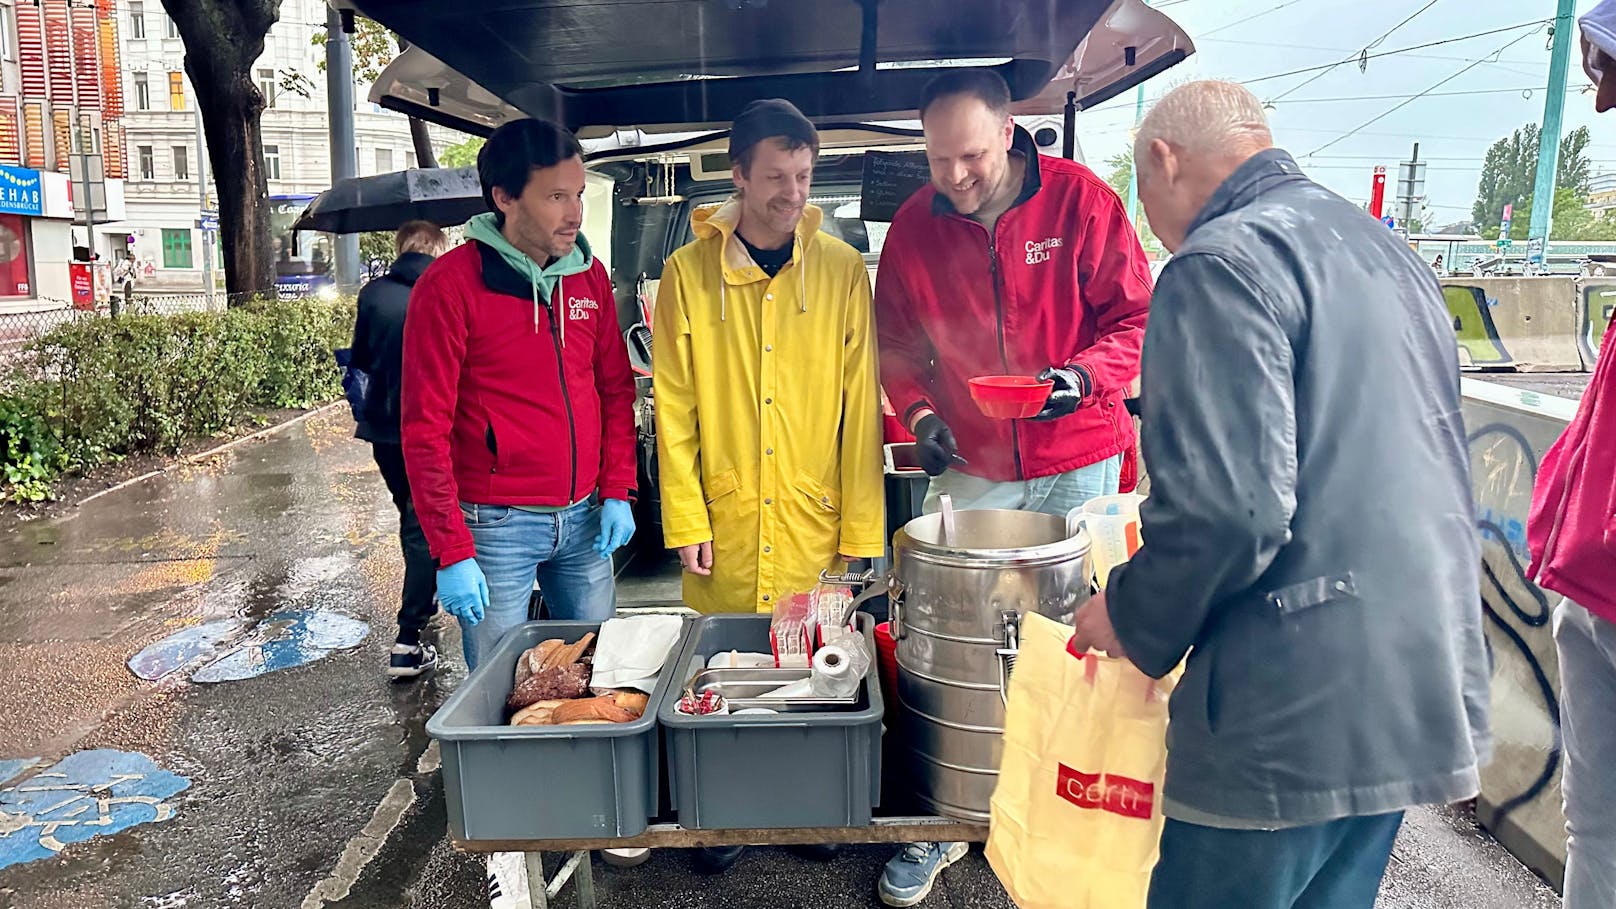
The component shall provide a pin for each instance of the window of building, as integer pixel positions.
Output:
(182, 163)
(142, 92)
(15, 261)
(176, 91)
(272, 162)
(409, 160)
(384, 160)
(176, 247)
(8, 33)
(172, 29)
(266, 85)
(146, 161)
(137, 19)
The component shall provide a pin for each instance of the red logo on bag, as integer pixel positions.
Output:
(1107, 792)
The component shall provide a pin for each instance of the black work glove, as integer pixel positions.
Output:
(935, 444)
(1070, 388)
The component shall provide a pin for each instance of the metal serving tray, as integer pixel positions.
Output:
(743, 688)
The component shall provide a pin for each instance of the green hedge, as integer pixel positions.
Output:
(97, 389)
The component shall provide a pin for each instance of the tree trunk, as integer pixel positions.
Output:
(424, 157)
(223, 38)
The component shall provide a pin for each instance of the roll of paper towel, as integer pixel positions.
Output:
(833, 674)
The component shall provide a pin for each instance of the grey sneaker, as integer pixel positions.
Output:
(909, 877)
(407, 662)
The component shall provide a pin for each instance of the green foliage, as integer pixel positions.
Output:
(462, 154)
(1121, 176)
(1509, 175)
(95, 389)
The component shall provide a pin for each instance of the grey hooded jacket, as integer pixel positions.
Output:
(1309, 539)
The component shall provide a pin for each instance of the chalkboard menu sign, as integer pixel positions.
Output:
(890, 178)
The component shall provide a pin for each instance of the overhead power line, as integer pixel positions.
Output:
(1397, 107)
(1401, 50)
(1361, 56)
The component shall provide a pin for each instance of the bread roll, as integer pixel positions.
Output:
(632, 701)
(602, 708)
(536, 714)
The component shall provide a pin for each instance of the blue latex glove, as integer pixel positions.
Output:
(616, 526)
(463, 591)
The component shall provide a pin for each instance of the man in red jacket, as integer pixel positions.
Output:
(1572, 536)
(518, 422)
(1010, 263)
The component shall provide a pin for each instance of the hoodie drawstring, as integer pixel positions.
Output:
(723, 298)
(560, 291)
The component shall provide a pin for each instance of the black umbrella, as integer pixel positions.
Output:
(446, 196)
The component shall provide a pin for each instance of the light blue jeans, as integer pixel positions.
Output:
(514, 547)
(1056, 495)
(1587, 649)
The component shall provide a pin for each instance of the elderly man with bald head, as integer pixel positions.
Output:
(1309, 540)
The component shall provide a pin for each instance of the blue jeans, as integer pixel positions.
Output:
(1335, 865)
(514, 547)
(1054, 495)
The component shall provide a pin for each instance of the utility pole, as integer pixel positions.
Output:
(344, 154)
(208, 234)
(1548, 149)
(1410, 187)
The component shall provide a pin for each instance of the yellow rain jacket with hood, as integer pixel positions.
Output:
(768, 421)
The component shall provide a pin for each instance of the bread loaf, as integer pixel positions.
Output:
(536, 714)
(562, 682)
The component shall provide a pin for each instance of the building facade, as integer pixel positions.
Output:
(160, 129)
(61, 146)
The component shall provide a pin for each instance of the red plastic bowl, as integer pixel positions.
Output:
(1010, 397)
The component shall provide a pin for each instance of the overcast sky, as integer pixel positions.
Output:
(1244, 40)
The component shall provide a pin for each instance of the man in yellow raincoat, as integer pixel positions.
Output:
(768, 420)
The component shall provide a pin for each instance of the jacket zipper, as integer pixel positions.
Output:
(493, 447)
(572, 428)
(998, 306)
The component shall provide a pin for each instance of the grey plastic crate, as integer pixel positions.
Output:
(545, 782)
(771, 770)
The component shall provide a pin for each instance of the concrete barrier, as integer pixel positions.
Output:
(1520, 797)
(1526, 324)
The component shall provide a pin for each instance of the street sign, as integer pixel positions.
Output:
(1390, 222)
(1505, 243)
(208, 222)
(1377, 192)
(1534, 251)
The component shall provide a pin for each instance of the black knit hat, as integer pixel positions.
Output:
(769, 118)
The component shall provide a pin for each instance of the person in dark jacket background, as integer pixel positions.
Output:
(1309, 539)
(378, 351)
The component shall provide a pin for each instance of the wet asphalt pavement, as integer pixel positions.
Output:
(314, 786)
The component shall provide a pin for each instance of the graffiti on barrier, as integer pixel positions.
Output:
(1479, 343)
(1597, 306)
(1521, 786)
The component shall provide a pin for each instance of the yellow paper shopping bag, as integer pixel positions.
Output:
(1076, 817)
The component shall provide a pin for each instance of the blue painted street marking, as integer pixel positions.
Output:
(92, 793)
(285, 640)
(10, 767)
(184, 648)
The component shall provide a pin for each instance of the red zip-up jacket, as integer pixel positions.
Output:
(498, 409)
(1571, 530)
(1062, 281)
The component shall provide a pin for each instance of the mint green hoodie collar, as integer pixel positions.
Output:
(484, 229)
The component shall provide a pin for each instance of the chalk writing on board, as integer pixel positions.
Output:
(890, 178)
